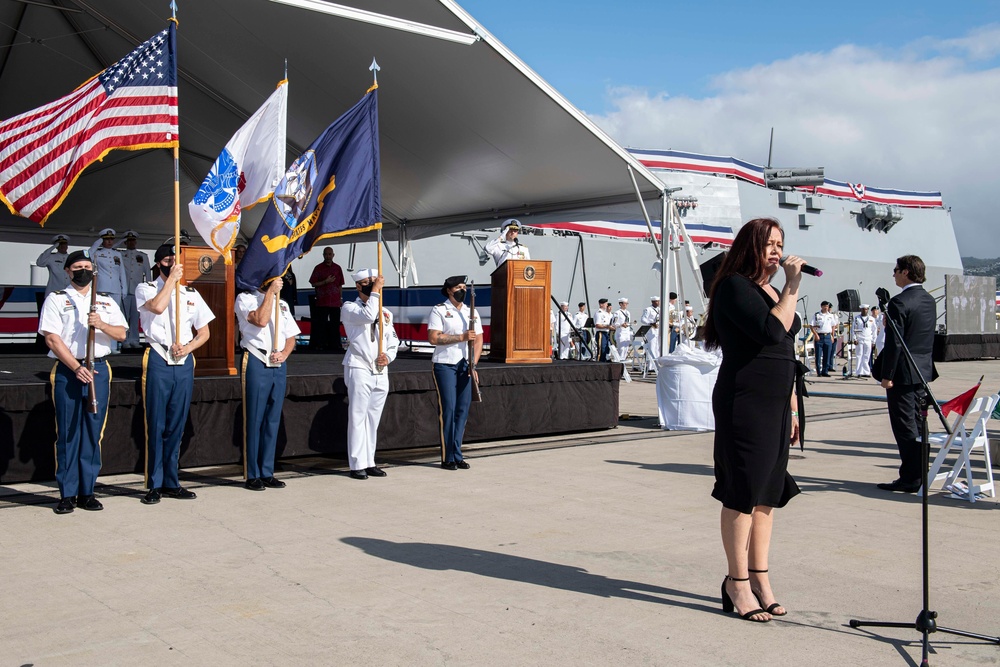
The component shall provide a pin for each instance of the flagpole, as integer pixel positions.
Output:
(277, 322)
(177, 215)
(374, 69)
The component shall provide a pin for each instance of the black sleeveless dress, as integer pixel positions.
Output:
(752, 398)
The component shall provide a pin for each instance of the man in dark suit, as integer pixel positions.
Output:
(915, 314)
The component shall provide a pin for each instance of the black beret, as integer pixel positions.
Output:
(451, 282)
(75, 257)
(165, 250)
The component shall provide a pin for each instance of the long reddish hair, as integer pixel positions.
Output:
(745, 258)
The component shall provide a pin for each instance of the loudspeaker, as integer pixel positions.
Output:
(709, 269)
(849, 301)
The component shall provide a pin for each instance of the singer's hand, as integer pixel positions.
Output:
(793, 268)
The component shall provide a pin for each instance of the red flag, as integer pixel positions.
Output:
(960, 403)
(131, 105)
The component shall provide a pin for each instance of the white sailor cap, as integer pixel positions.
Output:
(624, 299)
(60, 238)
(106, 233)
(363, 274)
(691, 308)
(655, 298)
(865, 306)
(510, 223)
(563, 303)
(130, 234)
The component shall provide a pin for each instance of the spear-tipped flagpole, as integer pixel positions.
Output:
(374, 69)
(177, 214)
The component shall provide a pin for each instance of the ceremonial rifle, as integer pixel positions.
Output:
(89, 360)
(477, 396)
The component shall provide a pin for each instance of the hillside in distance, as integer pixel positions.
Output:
(974, 266)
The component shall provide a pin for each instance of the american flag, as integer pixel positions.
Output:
(132, 104)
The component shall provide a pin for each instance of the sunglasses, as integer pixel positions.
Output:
(897, 270)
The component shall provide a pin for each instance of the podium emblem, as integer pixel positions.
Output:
(529, 272)
(205, 264)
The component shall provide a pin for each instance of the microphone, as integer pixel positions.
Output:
(811, 270)
(883, 296)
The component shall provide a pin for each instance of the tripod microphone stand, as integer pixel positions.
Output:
(926, 622)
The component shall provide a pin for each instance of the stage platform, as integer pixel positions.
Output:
(965, 347)
(518, 401)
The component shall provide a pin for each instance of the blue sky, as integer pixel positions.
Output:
(890, 94)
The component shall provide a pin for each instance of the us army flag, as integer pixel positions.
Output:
(245, 173)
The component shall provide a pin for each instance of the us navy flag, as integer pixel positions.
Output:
(330, 190)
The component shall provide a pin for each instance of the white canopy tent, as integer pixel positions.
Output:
(469, 134)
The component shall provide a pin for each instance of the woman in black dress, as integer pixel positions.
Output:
(754, 406)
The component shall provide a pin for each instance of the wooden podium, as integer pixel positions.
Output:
(205, 271)
(519, 312)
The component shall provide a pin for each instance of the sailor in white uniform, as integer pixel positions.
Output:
(865, 329)
(136, 264)
(53, 259)
(622, 323)
(651, 317)
(506, 246)
(564, 338)
(108, 266)
(365, 370)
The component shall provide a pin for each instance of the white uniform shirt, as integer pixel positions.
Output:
(361, 327)
(160, 328)
(110, 270)
(651, 315)
(449, 320)
(602, 317)
(254, 338)
(136, 265)
(825, 322)
(501, 250)
(622, 319)
(580, 320)
(865, 328)
(64, 312)
(55, 262)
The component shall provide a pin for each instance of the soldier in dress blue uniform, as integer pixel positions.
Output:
(449, 329)
(108, 265)
(168, 371)
(136, 265)
(264, 377)
(64, 322)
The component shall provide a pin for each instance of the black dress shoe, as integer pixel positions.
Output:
(462, 465)
(180, 493)
(359, 474)
(151, 498)
(65, 506)
(89, 503)
(375, 471)
(272, 483)
(450, 466)
(900, 485)
(254, 484)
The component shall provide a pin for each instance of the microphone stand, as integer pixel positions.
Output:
(926, 622)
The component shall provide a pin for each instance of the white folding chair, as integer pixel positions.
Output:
(963, 443)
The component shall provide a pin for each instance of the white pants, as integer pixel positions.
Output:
(564, 346)
(366, 394)
(132, 317)
(652, 348)
(862, 357)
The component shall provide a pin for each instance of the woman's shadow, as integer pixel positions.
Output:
(525, 570)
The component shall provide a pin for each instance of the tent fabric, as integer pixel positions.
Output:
(469, 134)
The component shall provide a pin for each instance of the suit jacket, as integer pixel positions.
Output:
(915, 314)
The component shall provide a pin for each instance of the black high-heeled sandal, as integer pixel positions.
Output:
(774, 606)
(728, 606)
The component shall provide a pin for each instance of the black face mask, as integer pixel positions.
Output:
(367, 289)
(459, 295)
(82, 277)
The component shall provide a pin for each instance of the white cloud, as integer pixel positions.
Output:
(886, 120)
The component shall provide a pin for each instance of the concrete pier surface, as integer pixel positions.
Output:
(586, 549)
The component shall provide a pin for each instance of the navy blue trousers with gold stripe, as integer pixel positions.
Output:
(454, 388)
(78, 432)
(166, 397)
(263, 398)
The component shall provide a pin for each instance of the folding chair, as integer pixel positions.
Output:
(963, 443)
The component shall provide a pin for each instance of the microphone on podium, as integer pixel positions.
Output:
(811, 270)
